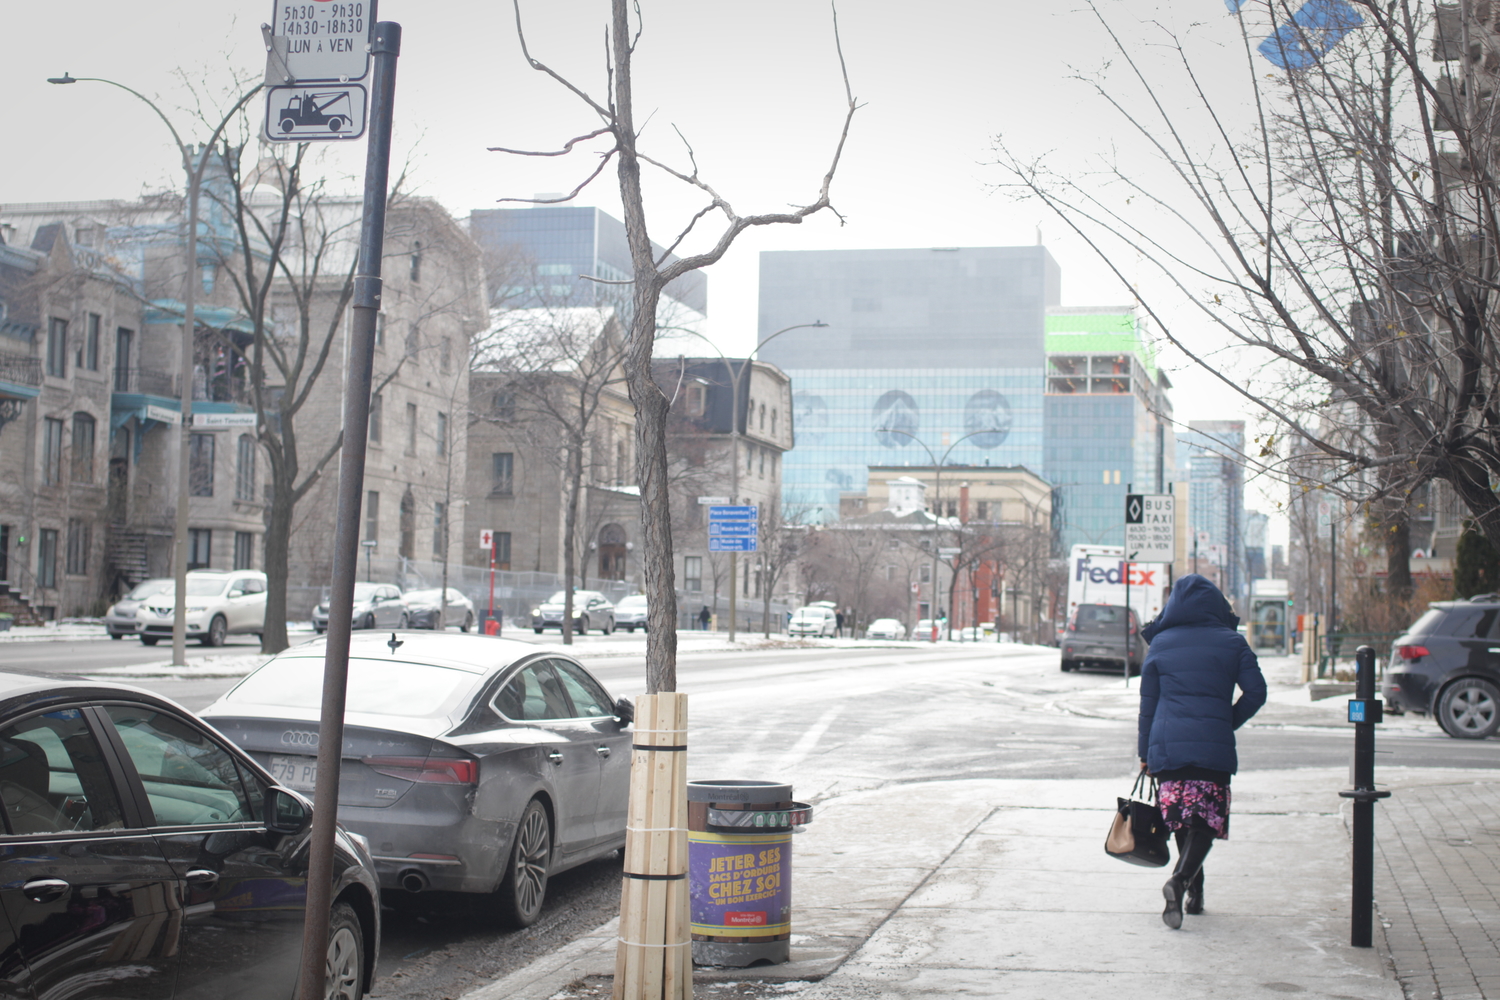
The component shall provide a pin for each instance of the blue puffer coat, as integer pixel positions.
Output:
(1188, 712)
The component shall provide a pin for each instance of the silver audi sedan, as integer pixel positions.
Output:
(470, 763)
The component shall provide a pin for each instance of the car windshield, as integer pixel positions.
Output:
(149, 589)
(380, 687)
(206, 587)
(365, 591)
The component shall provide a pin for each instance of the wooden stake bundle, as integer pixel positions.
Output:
(654, 958)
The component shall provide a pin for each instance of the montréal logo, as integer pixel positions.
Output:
(299, 738)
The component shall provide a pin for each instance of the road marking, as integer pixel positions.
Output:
(809, 740)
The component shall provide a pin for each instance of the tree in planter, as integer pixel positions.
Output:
(650, 275)
(1343, 237)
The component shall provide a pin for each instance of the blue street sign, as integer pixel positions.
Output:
(719, 543)
(731, 528)
(734, 513)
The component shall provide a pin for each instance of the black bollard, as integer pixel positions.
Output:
(1365, 710)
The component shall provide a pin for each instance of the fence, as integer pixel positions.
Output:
(1342, 646)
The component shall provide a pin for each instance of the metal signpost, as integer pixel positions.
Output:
(317, 56)
(1366, 711)
(1150, 536)
(487, 541)
(733, 528)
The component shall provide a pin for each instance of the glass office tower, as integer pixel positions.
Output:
(930, 355)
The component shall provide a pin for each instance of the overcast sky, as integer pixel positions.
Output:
(754, 87)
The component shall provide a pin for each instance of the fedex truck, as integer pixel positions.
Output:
(1096, 575)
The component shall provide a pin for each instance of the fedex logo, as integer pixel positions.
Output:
(1139, 576)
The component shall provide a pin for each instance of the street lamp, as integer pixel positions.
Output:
(194, 172)
(735, 374)
(937, 464)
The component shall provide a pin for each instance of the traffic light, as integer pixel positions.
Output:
(1290, 602)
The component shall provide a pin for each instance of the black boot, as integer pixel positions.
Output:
(1194, 903)
(1193, 845)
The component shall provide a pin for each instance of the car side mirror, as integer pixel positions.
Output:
(624, 711)
(287, 812)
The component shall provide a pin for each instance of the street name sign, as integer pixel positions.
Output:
(319, 41)
(223, 421)
(732, 527)
(1150, 527)
(712, 500)
(316, 112)
(162, 414)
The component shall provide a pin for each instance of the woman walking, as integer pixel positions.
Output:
(1187, 723)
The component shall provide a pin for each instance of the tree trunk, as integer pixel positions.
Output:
(570, 544)
(278, 537)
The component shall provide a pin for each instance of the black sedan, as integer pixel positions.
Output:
(471, 763)
(147, 857)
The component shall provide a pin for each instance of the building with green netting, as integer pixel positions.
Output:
(1107, 421)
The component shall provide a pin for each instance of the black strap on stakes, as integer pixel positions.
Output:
(657, 878)
(648, 746)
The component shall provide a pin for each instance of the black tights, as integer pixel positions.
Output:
(1193, 845)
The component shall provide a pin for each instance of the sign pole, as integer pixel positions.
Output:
(385, 46)
(734, 579)
(491, 615)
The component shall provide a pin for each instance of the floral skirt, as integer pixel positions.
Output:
(1183, 801)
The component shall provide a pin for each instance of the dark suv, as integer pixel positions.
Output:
(1096, 637)
(1448, 663)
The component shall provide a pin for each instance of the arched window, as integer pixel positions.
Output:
(612, 549)
(773, 423)
(762, 416)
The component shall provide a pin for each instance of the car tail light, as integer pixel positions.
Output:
(438, 770)
(1412, 652)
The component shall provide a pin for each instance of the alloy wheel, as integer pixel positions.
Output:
(1470, 711)
(342, 971)
(533, 846)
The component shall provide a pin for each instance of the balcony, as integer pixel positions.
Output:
(146, 381)
(20, 370)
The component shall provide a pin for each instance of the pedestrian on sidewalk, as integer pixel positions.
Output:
(703, 618)
(838, 624)
(1187, 721)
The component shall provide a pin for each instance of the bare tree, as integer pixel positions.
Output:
(780, 544)
(651, 274)
(1345, 235)
(557, 367)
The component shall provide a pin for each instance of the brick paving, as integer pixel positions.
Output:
(1438, 889)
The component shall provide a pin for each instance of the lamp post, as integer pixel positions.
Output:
(937, 477)
(735, 375)
(194, 172)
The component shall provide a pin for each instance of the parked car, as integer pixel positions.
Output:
(376, 605)
(812, 620)
(220, 603)
(148, 856)
(1448, 663)
(423, 607)
(591, 609)
(923, 631)
(124, 616)
(885, 628)
(1096, 637)
(630, 613)
(476, 764)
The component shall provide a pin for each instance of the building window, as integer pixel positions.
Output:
(46, 558)
(696, 400)
(52, 451)
(244, 550)
(620, 463)
(503, 406)
(762, 416)
(692, 573)
(57, 348)
(244, 477)
(762, 464)
(201, 466)
(377, 409)
(502, 549)
(773, 423)
(88, 351)
(416, 261)
(502, 482)
(411, 428)
(83, 448)
(413, 339)
(439, 530)
(78, 547)
(372, 516)
(442, 434)
(749, 459)
(200, 545)
(123, 338)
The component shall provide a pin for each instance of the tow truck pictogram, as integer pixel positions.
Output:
(310, 109)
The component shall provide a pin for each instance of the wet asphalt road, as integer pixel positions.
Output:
(831, 721)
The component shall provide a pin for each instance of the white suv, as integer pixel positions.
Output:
(220, 603)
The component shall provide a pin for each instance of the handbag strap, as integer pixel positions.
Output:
(1140, 779)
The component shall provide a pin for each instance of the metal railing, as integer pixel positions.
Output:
(20, 369)
(1341, 646)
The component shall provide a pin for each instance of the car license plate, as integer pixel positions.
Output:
(299, 773)
(1099, 650)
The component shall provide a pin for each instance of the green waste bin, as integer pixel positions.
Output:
(740, 870)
